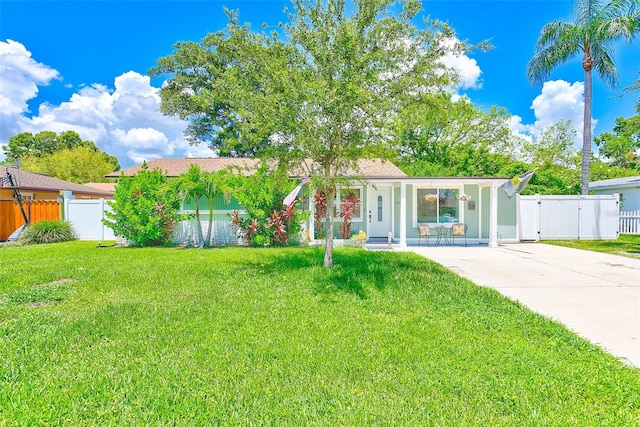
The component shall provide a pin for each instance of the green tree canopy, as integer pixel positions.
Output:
(79, 164)
(622, 148)
(328, 89)
(43, 143)
(64, 156)
(445, 138)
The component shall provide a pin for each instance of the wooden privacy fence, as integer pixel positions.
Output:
(630, 222)
(36, 210)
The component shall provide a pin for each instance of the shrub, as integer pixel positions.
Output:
(48, 231)
(267, 221)
(144, 208)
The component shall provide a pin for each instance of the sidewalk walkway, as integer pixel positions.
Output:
(594, 294)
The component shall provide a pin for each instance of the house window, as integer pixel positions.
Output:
(436, 205)
(379, 208)
(341, 195)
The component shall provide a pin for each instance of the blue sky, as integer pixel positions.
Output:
(82, 65)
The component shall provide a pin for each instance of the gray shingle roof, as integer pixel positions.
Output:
(35, 181)
(629, 181)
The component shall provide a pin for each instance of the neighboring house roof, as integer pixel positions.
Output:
(26, 180)
(104, 186)
(172, 167)
(606, 184)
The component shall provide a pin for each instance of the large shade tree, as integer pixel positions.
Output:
(598, 24)
(446, 138)
(64, 156)
(325, 88)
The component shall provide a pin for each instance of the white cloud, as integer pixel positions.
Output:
(125, 121)
(467, 68)
(20, 76)
(559, 100)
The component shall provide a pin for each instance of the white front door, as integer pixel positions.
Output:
(378, 215)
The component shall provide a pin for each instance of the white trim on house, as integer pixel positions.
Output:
(457, 187)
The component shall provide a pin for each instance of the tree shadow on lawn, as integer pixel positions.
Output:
(354, 271)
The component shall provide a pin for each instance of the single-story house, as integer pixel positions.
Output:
(391, 202)
(37, 186)
(628, 188)
(40, 194)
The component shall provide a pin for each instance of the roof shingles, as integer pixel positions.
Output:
(172, 167)
(34, 181)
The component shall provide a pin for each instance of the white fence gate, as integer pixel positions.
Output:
(569, 217)
(86, 218)
(630, 222)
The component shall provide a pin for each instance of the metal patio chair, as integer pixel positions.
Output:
(459, 230)
(424, 231)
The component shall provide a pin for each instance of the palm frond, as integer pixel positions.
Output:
(587, 10)
(546, 60)
(618, 27)
(604, 65)
(552, 33)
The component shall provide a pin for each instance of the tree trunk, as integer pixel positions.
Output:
(198, 224)
(208, 241)
(328, 247)
(586, 131)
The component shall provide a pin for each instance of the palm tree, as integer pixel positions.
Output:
(190, 186)
(598, 24)
(212, 185)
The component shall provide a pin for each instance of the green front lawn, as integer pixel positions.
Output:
(626, 245)
(237, 336)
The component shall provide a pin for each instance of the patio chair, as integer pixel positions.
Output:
(424, 231)
(459, 230)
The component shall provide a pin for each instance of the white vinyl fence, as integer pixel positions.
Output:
(630, 222)
(86, 218)
(569, 217)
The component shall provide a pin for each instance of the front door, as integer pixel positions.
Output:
(378, 215)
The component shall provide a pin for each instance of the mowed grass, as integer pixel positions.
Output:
(626, 245)
(238, 336)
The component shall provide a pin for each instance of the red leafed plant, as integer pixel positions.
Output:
(320, 211)
(347, 212)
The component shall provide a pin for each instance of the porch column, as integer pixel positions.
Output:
(311, 223)
(493, 217)
(403, 214)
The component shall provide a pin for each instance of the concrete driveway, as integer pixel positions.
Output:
(594, 294)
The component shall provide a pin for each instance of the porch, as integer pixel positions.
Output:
(399, 207)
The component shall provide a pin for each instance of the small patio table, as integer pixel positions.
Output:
(443, 231)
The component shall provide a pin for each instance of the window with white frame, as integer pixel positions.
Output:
(436, 205)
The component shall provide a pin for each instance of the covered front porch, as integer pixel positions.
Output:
(395, 210)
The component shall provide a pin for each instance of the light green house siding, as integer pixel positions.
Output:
(507, 216)
(472, 216)
(219, 204)
(485, 197)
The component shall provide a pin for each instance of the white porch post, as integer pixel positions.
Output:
(493, 217)
(311, 223)
(403, 214)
